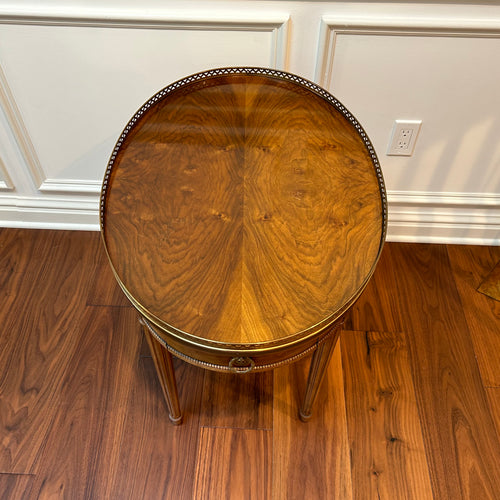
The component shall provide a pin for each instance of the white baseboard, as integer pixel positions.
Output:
(49, 213)
(421, 217)
(459, 218)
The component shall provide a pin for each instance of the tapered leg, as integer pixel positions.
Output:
(166, 375)
(317, 370)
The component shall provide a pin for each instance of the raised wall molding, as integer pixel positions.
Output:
(384, 24)
(19, 131)
(261, 21)
(5, 182)
(68, 186)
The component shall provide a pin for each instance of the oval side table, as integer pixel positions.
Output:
(243, 212)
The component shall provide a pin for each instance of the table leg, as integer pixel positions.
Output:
(317, 370)
(166, 375)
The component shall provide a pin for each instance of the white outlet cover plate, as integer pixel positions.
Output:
(395, 148)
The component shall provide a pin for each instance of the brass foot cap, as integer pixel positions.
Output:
(303, 417)
(176, 420)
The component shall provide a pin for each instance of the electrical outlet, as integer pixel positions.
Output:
(404, 137)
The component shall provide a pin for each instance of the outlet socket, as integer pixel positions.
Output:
(403, 138)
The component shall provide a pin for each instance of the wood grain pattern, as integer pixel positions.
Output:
(470, 266)
(15, 245)
(15, 248)
(238, 401)
(157, 459)
(227, 461)
(490, 286)
(45, 305)
(20, 249)
(310, 460)
(388, 457)
(90, 420)
(243, 210)
(15, 486)
(377, 309)
(104, 290)
(493, 394)
(456, 421)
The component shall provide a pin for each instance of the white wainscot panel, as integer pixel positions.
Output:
(438, 69)
(69, 85)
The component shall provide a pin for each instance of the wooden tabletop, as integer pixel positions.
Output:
(243, 207)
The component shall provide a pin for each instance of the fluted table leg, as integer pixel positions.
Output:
(166, 375)
(317, 370)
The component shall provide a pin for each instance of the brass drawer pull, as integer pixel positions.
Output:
(241, 365)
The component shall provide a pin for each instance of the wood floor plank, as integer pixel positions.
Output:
(470, 266)
(35, 263)
(16, 253)
(37, 341)
(233, 464)
(81, 455)
(493, 394)
(238, 401)
(15, 486)
(462, 447)
(66, 430)
(388, 457)
(377, 307)
(310, 460)
(158, 459)
(17, 248)
(21, 260)
(490, 286)
(105, 290)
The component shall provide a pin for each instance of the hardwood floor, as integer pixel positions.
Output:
(409, 409)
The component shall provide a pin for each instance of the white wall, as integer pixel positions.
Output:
(73, 72)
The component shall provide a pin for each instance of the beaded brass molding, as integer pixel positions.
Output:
(231, 367)
(231, 347)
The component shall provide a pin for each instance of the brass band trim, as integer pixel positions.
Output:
(229, 368)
